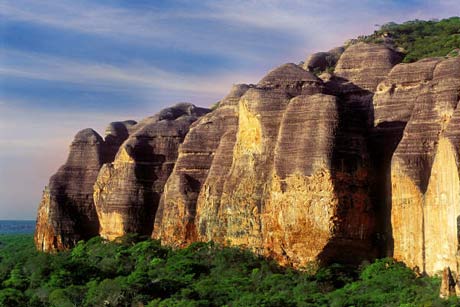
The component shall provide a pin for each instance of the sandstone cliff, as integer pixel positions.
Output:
(347, 166)
(294, 180)
(127, 191)
(66, 213)
(424, 167)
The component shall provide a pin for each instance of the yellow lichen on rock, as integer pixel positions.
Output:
(111, 225)
(298, 218)
(442, 210)
(122, 158)
(44, 235)
(249, 135)
(241, 209)
(100, 186)
(407, 218)
(108, 228)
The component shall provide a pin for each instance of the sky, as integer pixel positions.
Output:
(66, 65)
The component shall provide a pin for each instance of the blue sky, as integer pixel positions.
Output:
(67, 64)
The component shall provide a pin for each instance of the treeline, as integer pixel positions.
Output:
(134, 272)
(419, 39)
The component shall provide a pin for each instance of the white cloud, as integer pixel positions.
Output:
(310, 25)
(140, 27)
(129, 76)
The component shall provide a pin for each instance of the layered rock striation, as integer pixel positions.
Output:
(424, 167)
(297, 182)
(128, 190)
(347, 166)
(67, 213)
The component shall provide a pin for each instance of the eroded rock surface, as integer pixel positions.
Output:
(66, 213)
(279, 179)
(366, 65)
(127, 191)
(424, 167)
(358, 163)
(321, 61)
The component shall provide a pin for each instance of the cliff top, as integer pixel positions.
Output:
(419, 39)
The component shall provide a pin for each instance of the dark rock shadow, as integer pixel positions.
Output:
(384, 139)
(361, 163)
(148, 166)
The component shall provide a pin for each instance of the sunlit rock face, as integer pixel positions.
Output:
(66, 213)
(289, 177)
(128, 190)
(424, 190)
(210, 139)
(359, 163)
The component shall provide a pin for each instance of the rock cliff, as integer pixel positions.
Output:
(127, 191)
(66, 213)
(347, 166)
(424, 167)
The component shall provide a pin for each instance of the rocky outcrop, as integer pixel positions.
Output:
(211, 139)
(355, 164)
(128, 190)
(424, 171)
(366, 65)
(288, 171)
(66, 213)
(448, 285)
(321, 61)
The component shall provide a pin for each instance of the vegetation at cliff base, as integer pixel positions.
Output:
(144, 273)
(419, 39)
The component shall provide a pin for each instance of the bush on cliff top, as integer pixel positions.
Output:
(144, 273)
(419, 39)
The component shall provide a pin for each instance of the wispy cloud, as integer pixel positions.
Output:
(129, 76)
(87, 17)
(300, 19)
(176, 28)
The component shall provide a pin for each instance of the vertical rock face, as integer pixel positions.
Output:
(66, 213)
(360, 163)
(210, 139)
(127, 191)
(424, 167)
(289, 177)
(393, 103)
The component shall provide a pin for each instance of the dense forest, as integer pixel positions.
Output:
(140, 272)
(419, 39)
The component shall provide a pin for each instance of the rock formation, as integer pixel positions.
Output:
(66, 213)
(322, 61)
(448, 286)
(127, 191)
(358, 163)
(211, 138)
(289, 167)
(424, 167)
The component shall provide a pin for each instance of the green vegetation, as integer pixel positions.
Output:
(419, 39)
(143, 273)
(215, 106)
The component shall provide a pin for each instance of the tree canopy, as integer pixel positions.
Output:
(419, 39)
(136, 271)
